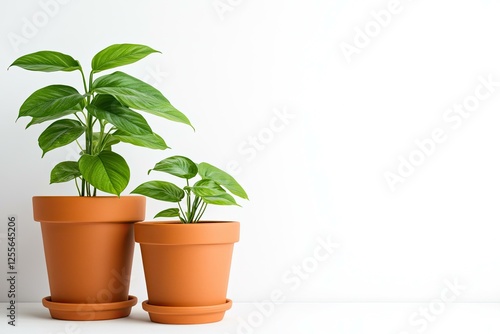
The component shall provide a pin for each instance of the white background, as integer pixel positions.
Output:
(320, 173)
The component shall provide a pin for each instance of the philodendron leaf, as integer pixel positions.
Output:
(160, 190)
(169, 213)
(119, 55)
(47, 61)
(60, 133)
(65, 171)
(153, 141)
(51, 101)
(137, 94)
(177, 166)
(222, 199)
(38, 120)
(109, 141)
(206, 188)
(107, 171)
(121, 117)
(213, 173)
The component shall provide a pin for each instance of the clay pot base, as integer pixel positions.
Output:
(188, 314)
(88, 312)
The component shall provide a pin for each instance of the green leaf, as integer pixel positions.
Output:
(213, 173)
(173, 212)
(60, 133)
(153, 141)
(51, 101)
(110, 141)
(137, 94)
(207, 188)
(177, 166)
(64, 172)
(38, 120)
(47, 61)
(222, 199)
(119, 55)
(160, 190)
(107, 171)
(123, 118)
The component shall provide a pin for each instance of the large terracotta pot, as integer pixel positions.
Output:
(187, 269)
(88, 244)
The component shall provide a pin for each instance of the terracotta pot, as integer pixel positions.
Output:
(187, 269)
(89, 245)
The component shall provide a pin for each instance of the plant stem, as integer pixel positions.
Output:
(202, 211)
(78, 188)
(183, 218)
(188, 200)
(89, 131)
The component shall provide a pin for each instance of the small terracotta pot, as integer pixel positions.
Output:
(89, 245)
(187, 269)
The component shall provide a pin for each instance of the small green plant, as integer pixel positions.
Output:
(104, 115)
(208, 190)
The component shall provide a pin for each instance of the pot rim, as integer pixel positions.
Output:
(79, 209)
(176, 233)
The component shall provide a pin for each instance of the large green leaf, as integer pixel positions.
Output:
(222, 199)
(51, 101)
(137, 94)
(47, 61)
(206, 188)
(160, 190)
(60, 133)
(65, 171)
(153, 141)
(178, 166)
(119, 55)
(107, 108)
(213, 173)
(169, 213)
(107, 171)
(38, 120)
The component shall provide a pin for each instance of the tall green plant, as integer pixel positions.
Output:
(210, 189)
(103, 116)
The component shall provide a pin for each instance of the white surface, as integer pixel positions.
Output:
(292, 318)
(322, 172)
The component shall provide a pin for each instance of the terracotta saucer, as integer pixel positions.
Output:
(186, 314)
(87, 312)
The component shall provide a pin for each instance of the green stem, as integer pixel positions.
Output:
(196, 204)
(84, 81)
(78, 188)
(188, 199)
(183, 218)
(90, 127)
(202, 211)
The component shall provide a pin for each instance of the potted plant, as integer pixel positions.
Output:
(88, 239)
(187, 261)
